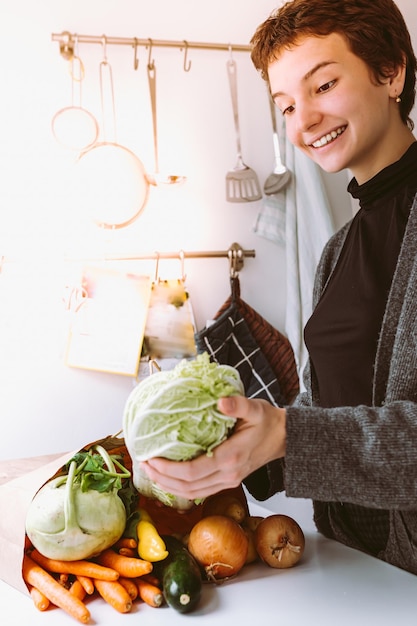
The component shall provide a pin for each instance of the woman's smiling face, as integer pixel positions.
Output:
(335, 111)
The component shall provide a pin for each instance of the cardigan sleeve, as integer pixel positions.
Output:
(353, 454)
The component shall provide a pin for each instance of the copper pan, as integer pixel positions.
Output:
(112, 178)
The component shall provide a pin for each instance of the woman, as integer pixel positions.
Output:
(343, 74)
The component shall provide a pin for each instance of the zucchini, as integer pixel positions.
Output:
(180, 576)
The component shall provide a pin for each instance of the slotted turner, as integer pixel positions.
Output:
(242, 184)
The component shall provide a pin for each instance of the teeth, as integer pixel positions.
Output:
(328, 138)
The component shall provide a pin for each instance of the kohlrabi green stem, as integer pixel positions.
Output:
(81, 466)
(111, 471)
(70, 513)
(125, 472)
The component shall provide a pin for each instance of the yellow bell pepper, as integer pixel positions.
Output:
(151, 546)
(144, 515)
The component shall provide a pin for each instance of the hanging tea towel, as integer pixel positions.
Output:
(299, 217)
(309, 225)
(270, 222)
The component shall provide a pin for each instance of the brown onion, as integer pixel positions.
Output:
(279, 541)
(224, 504)
(219, 545)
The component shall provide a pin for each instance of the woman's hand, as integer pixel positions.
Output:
(259, 437)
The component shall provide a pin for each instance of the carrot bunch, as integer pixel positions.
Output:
(117, 575)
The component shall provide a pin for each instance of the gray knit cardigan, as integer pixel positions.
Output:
(365, 455)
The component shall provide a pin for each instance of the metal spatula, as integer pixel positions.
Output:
(281, 176)
(242, 184)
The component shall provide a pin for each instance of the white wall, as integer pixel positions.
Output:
(45, 406)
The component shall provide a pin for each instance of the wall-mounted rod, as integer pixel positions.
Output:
(234, 250)
(236, 255)
(177, 255)
(67, 41)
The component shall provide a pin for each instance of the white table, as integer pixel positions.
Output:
(331, 585)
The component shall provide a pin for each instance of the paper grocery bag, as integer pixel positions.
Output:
(15, 498)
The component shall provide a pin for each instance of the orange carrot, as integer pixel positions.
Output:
(149, 593)
(130, 586)
(63, 579)
(87, 583)
(35, 575)
(114, 594)
(128, 567)
(39, 599)
(151, 578)
(77, 590)
(127, 552)
(82, 568)
(126, 542)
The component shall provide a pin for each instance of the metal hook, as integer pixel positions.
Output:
(181, 254)
(186, 66)
(153, 364)
(135, 55)
(230, 52)
(104, 44)
(105, 66)
(232, 267)
(156, 277)
(76, 62)
(150, 63)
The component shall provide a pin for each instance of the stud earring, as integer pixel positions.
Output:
(398, 99)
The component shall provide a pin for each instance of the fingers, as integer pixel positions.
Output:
(204, 475)
(236, 406)
(251, 411)
(259, 437)
(161, 472)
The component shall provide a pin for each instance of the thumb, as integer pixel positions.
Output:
(233, 406)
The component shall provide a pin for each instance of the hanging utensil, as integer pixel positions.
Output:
(158, 178)
(242, 183)
(113, 179)
(170, 325)
(73, 126)
(280, 175)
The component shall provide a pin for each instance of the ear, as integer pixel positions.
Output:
(397, 81)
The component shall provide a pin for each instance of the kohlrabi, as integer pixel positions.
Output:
(79, 514)
(174, 414)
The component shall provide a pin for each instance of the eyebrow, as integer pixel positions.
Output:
(308, 75)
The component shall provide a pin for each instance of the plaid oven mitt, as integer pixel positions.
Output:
(229, 341)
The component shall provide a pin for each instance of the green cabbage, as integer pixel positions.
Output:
(174, 414)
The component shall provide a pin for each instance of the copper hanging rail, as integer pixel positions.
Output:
(236, 255)
(234, 249)
(68, 40)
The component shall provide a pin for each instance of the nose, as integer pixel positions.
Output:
(307, 116)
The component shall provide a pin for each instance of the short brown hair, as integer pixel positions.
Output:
(374, 29)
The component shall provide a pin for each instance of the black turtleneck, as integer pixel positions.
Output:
(341, 335)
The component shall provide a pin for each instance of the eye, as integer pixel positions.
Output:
(326, 86)
(288, 110)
